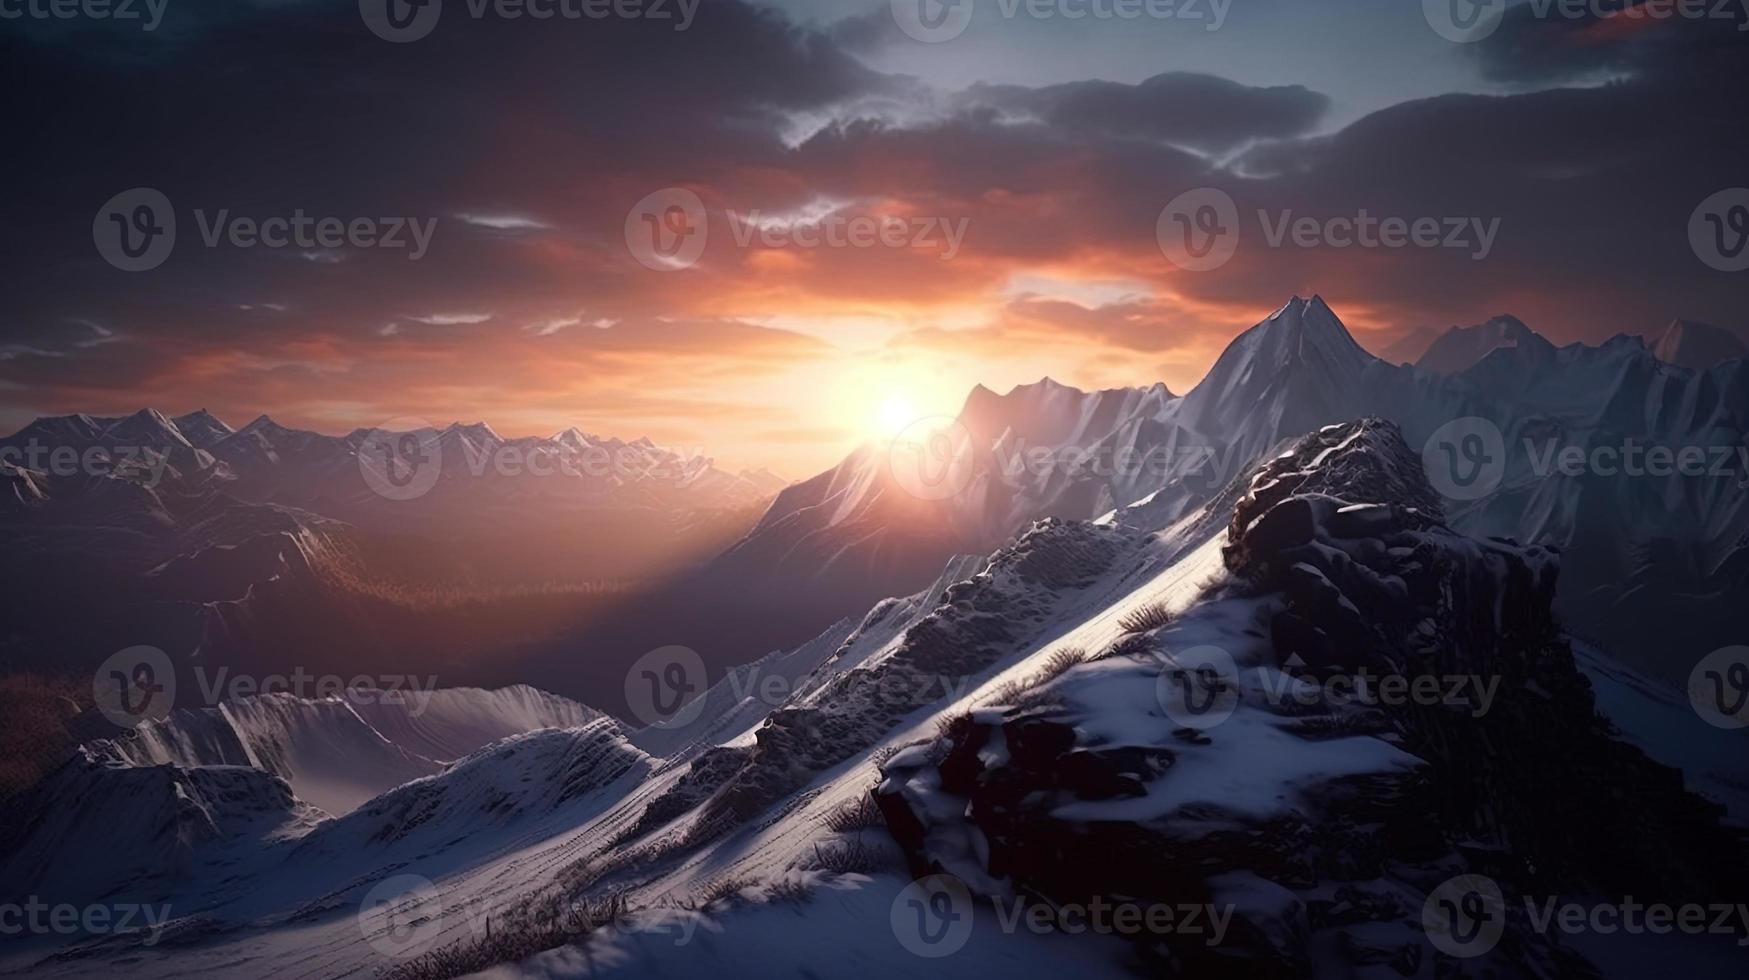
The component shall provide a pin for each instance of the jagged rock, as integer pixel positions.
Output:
(1349, 566)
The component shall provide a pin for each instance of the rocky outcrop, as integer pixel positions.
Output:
(1324, 820)
(977, 623)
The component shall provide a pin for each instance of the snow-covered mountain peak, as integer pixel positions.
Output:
(475, 430)
(1296, 370)
(202, 428)
(146, 427)
(1050, 413)
(1461, 348)
(575, 439)
(1302, 332)
(74, 430)
(263, 425)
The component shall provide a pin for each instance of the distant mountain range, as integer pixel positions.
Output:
(474, 466)
(1644, 548)
(735, 578)
(1685, 343)
(271, 546)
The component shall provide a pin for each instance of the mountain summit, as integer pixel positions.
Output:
(1295, 371)
(1462, 348)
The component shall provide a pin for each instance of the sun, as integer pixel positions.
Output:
(896, 412)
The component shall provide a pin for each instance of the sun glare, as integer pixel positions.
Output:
(896, 412)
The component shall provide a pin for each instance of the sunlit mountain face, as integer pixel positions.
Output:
(842, 488)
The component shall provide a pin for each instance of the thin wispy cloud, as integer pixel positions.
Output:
(502, 222)
(104, 335)
(451, 319)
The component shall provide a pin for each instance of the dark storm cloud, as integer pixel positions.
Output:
(528, 141)
(1539, 43)
(1593, 186)
(1198, 111)
(299, 108)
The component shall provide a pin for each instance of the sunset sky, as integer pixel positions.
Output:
(1054, 144)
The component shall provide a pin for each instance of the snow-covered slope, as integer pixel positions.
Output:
(229, 853)
(1661, 720)
(450, 723)
(741, 699)
(338, 752)
(322, 749)
(97, 829)
(1018, 723)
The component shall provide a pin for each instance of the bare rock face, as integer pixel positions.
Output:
(1325, 823)
(975, 625)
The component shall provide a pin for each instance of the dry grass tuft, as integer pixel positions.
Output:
(546, 922)
(855, 815)
(1146, 619)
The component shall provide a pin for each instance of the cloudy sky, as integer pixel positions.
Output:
(996, 188)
